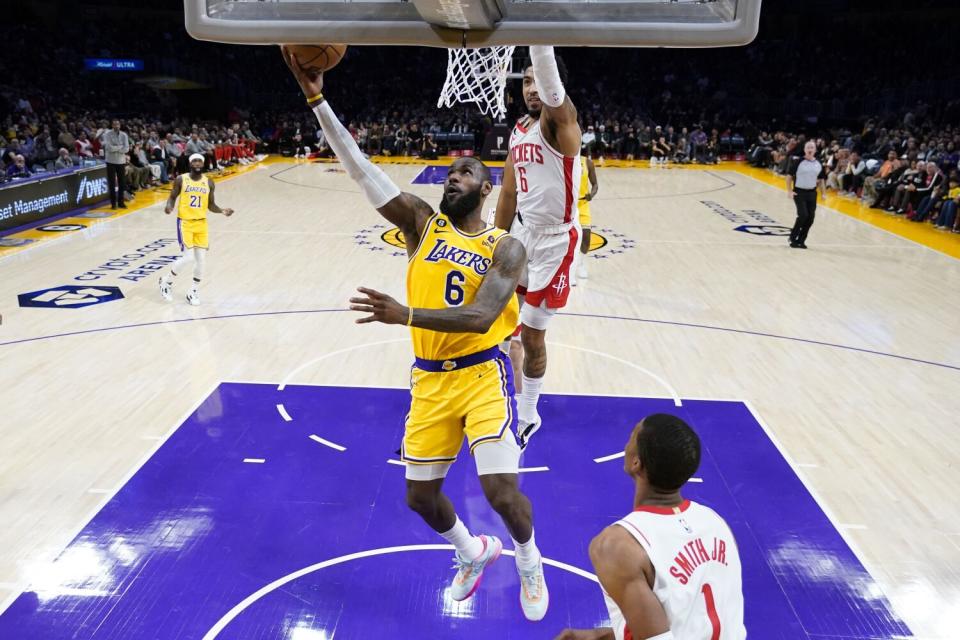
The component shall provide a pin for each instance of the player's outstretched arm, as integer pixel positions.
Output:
(559, 114)
(212, 205)
(498, 285)
(174, 192)
(408, 212)
(622, 565)
(507, 202)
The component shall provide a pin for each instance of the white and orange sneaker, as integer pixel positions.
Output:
(534, 597)
(467, 580)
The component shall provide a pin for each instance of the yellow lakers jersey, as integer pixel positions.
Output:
(446, 271)
(194, 197)
(584, 183)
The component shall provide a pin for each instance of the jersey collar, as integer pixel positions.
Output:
(664, 511)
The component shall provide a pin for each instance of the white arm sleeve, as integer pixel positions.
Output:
(547, 76)
(376, 186)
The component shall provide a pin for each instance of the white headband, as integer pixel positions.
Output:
(196, 156)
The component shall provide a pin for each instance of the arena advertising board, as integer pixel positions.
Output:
(42, 198)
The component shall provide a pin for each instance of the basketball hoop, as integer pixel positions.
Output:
(478, 76)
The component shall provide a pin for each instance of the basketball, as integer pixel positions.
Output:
(317, 58)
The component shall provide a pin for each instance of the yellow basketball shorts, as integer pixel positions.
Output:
(453, 399)
(583, 209)
(192, 233)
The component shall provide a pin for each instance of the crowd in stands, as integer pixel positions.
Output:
(908, 166)
(672, 107)
(52, 140)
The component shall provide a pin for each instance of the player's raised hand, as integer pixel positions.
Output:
(310, 83)
(382, 308)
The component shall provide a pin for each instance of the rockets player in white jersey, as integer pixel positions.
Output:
(538, 205)
(670, 570)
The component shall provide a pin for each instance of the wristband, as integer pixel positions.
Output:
(410, 317)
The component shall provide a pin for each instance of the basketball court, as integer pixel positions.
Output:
(230, 470)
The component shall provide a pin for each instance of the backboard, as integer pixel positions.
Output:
(477, 23)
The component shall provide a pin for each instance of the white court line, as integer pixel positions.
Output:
(309, 363)
(854, 548)
(332, 445)
(700, 480)
(255, 460)
(612, 456)
(950, 538)
(399, 463)
(283, 413)
(666, 385)
(19, 589)
(222, 623)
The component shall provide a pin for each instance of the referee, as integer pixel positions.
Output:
(803, 180)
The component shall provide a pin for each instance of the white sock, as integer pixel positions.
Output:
(181, 260)
(527, 554)
(528, 398)
(468, 546)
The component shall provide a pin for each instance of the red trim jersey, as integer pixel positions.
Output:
(698, 575)
(547, 181)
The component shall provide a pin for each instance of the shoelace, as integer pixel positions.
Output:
(531, 583)
(460, 564)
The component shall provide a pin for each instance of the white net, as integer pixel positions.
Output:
(478, 76)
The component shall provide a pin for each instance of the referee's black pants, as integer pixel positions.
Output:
(806, 201)
(116, 178)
